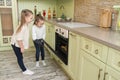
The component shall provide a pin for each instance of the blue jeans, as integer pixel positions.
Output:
(39, 49)
(19, 57)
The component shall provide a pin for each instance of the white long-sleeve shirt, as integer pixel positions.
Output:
(38, 32)
(22, 35)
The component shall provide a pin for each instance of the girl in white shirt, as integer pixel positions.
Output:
(38, 35)
(20, 39)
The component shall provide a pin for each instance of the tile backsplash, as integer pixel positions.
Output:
(88, 11)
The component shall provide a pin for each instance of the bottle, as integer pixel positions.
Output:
(39, 13)
(54, 14)
(49, 13)
(35, 11)
(44, 13)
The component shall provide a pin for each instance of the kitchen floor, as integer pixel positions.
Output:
(9, 69)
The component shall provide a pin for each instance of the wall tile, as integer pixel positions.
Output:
(88, 11)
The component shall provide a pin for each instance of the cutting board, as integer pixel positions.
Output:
(105, 18)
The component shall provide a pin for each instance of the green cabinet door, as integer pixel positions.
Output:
(111, 74)
(89, 67)
(73, 55)
(50, 35)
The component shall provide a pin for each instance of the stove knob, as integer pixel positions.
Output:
(56, 30)
(59, 30)
(62, 33)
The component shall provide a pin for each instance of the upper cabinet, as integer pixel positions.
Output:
(8, 21)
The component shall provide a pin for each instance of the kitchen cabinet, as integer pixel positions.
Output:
(50, 35)
(89, 67)
(94, 48)
(114, 59)
(73, 54)
(98, 62)
(89, 59)
(113, 62)
(47, 32)
(99, 51)
(92, 60)
(86, 44)
(111, 74)
(8, 22)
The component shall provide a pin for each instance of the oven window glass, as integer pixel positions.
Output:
(62, 48)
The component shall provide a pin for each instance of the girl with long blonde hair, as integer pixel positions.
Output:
(20, 39)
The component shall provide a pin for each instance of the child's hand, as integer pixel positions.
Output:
(20, 43)
(37, 41)
(22, 50)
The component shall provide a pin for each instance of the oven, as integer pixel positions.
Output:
(61, 44)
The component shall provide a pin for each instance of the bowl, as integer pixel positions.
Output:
(68, 19)
(59, 19)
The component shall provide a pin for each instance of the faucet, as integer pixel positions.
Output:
(62, 7)
(62, 10)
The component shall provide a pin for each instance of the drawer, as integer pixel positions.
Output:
(99, 51)
(86, 44)
(114, 59)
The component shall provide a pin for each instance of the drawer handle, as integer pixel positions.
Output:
(119, 63)
(105, 74)
(96, 51)
(99, 74)
(86, 46)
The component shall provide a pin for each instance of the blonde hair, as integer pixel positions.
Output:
(24, 13)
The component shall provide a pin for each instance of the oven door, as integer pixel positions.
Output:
(61, 47)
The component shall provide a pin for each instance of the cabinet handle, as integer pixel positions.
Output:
(72, 34)
(105, 75)
(119, 64)
(99, 74)
(86, 46)
(96, 51)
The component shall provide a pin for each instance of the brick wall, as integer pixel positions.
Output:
(87, 11)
